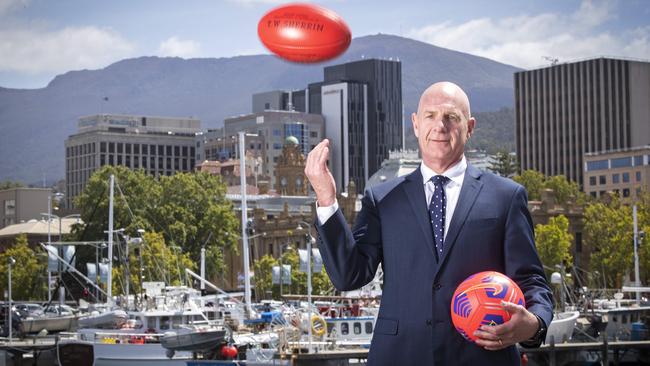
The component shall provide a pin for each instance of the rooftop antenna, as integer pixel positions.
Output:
(553, 60)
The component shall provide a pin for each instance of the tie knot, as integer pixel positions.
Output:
(439, 180)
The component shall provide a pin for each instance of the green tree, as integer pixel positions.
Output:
(553, 242)
(533, 181)
(27, 274)
(504, 164)
(190, 210)
(8, 184)
(608, 231)
(160, 262)
(564, 189)
(193, 211)
(321, 283)
(263, 276)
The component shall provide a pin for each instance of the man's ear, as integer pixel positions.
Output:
(471, 123)
(414, 120)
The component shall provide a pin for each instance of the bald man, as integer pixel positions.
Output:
(430, 230)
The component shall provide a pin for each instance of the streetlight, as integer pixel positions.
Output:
(127, 266)
(244, 219)
(638, 236)
(310, 241)
(10, 261)
(57, 196)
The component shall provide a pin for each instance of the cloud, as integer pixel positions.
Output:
(7, 6)
(176, 47)
(525, 40)
(36, 51)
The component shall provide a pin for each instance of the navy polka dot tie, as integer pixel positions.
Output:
(437, 210)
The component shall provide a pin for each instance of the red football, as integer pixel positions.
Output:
(304, 33)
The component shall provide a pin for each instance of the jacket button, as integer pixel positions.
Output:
(437, 286)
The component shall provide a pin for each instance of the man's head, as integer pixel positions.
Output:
(442, 124)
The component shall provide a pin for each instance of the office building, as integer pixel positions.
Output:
(567, 110)
(361, 102)
(272, 128)
(22, 204)
(158, 145)
(625, 172)
(362, 105)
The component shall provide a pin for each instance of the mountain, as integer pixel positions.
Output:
(35, 123)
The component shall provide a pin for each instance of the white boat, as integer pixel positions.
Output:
(51, 323)
(111, 319)
(561, 328)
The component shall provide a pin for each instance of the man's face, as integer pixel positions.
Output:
(442, 126)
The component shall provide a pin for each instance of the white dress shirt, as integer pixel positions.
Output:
(456, 175)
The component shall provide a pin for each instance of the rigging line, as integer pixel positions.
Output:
(164, 228)
(161, 268)
(83, 235)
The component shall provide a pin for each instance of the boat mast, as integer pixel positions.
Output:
(109, 289)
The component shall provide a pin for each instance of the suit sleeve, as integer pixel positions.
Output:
(351, 257)
(522, 261)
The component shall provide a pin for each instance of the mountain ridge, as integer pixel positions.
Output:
(37, 121)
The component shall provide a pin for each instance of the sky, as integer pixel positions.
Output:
(40, 39)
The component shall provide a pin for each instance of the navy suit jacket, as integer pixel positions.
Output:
(491, 229)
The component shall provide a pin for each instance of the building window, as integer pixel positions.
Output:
(169, 150)
(638, 176)
(616, 178)
(592, 181)
(119, 148)
(626, 177)
(144, 149)
(626, 192)
(368, 327)
(593, 194)
(161, 150)
(597, 165)
(10, 207)
(313, 134)
(136, 148)
(638, 160)
(277, 146)
(119, 160)
(111, 147)
(621, 162)
(267, 105)
(602, 179)
(128, 148)
(277, 133)
(102, 147)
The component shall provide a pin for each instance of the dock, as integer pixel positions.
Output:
(606, 349)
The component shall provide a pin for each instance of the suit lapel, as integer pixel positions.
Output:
(414, 188)
(468, 193)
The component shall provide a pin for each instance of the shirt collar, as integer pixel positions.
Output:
(455, 173)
